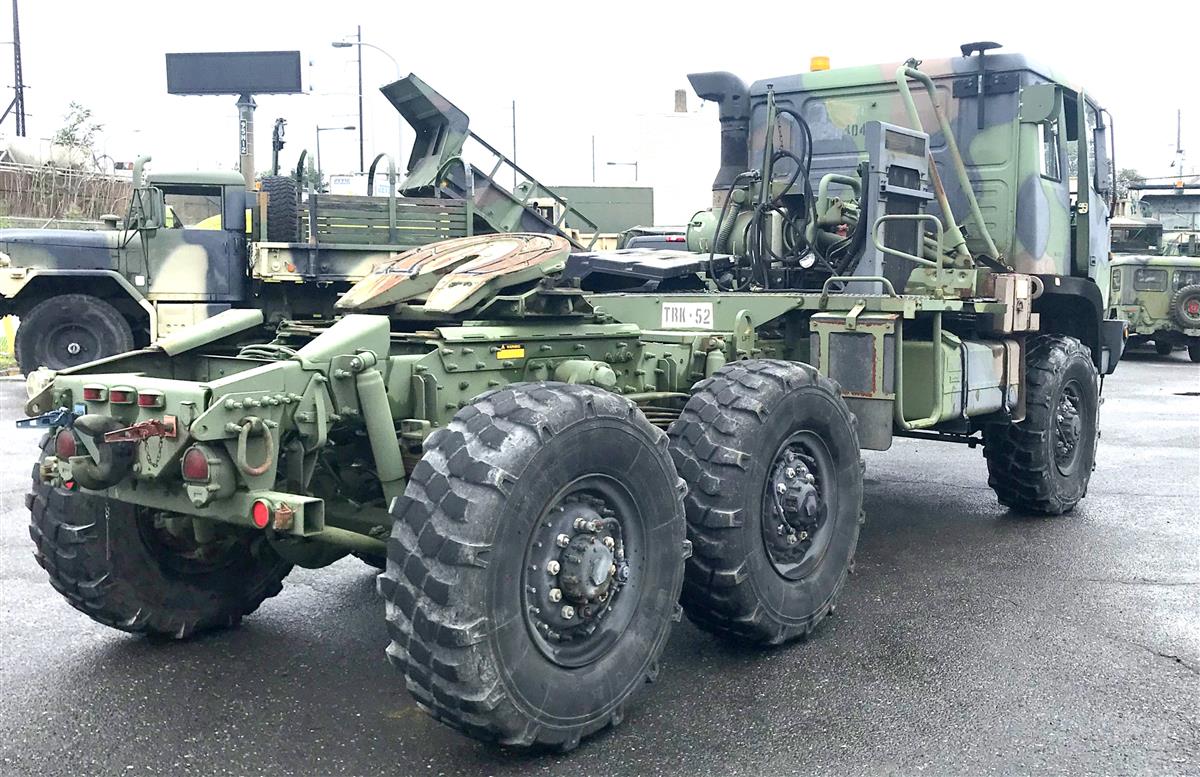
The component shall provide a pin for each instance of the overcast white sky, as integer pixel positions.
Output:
(580, 70)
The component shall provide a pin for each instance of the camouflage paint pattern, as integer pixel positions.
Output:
(1145, 287)
(1026, 206)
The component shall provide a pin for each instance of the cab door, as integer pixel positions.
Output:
(1092, 191)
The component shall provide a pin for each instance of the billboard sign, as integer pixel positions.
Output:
(234, 72)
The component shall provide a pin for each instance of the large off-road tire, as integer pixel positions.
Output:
(770, 454)
(1043, 464)
(502, 541)
(283, 208)
(109, 561)
(1163, 347)
(70, 329)
(1185, 306)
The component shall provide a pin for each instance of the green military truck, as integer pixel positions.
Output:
(1159, 297)
(183, 251)
(555, 454)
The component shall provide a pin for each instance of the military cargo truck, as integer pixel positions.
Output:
(86, 295)
(555, 454)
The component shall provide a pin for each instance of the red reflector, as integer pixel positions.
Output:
(676, 239)
(121, 396)
(195, 465)
(260, 514)
(64, 444)
(93, 394)
(151, 399)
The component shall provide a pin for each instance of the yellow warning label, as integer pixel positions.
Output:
(511, 352)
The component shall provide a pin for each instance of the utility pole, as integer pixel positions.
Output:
(514, 122)
(18, 102)
(362, 168)
(593, 158)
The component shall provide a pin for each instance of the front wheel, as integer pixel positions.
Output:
(70, 329)
(770, 453)
(1163, 347)
(535, 564)
(1043, 464)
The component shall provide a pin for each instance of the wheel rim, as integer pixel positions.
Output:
(72, 343)
(580, 579)
(1068, 428)
(796, 514)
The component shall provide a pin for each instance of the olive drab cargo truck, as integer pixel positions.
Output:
(191, 245)
(554, 454)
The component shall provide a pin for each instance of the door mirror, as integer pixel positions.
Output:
(147, 210)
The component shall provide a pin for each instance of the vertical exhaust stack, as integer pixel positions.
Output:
(733, 97)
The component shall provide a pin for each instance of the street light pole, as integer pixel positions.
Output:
(633, 164)
(359, 43)
(361, 160)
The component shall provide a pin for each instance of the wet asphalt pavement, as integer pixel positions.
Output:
(970, 641)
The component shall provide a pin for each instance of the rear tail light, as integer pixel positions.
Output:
(122, 396)
(676, 239)
(260, 513)
(195, 465)
(94, 393)
(64, 444)
(151, 399)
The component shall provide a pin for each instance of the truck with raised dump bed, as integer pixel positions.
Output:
(555, 454)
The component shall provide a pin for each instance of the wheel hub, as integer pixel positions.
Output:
(1068, 425)
(794, 509)
(577, 569)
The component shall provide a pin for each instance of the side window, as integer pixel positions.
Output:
(1048, 136)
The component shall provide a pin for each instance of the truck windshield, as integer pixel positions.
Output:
(1138, 240)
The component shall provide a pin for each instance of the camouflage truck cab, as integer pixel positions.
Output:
(554, 454)
(82, 295)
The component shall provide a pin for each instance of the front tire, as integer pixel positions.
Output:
(1043, 464)
(1194, 352)
(70, 329)
(770, 453)
(1163, 347)
(115, 563)
(535, 564)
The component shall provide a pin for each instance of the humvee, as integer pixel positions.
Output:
(1158, 292)
(555, 454)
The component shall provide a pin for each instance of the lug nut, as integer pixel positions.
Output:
(781, 488)
(789, 473)
(568, 612)
(563, 540)
(791, 540)
(809, 477)
(555, 595)
(580, 524)
(552, 567)
(610, 543)
(612, 570)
